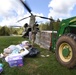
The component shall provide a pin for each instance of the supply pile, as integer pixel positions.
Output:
(14, 54)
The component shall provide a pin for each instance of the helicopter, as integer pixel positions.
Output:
(32, 23)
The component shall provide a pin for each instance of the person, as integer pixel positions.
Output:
(26, 31)
(35, 29)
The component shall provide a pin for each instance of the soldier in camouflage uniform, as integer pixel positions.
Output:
(32, 24)
(34, 28)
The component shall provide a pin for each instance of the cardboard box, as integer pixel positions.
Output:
(15, 61)
(44, 38)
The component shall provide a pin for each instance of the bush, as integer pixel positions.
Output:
(4, 31)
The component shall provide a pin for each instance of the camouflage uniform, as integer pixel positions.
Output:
(32, 24)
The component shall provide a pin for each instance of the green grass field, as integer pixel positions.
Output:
(34, 66)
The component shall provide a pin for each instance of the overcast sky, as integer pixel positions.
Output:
(12, 10)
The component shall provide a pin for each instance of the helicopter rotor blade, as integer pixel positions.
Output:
(23, 19)
(26, 6)
(43, 17)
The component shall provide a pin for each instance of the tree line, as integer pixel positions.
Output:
(7, 31)
(52, 25)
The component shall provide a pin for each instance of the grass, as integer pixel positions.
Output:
(34, 66)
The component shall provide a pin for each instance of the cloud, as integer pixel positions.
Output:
(61, 8)
(11, 11)
(8, 7)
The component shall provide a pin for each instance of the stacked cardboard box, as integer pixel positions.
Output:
(44, 39)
